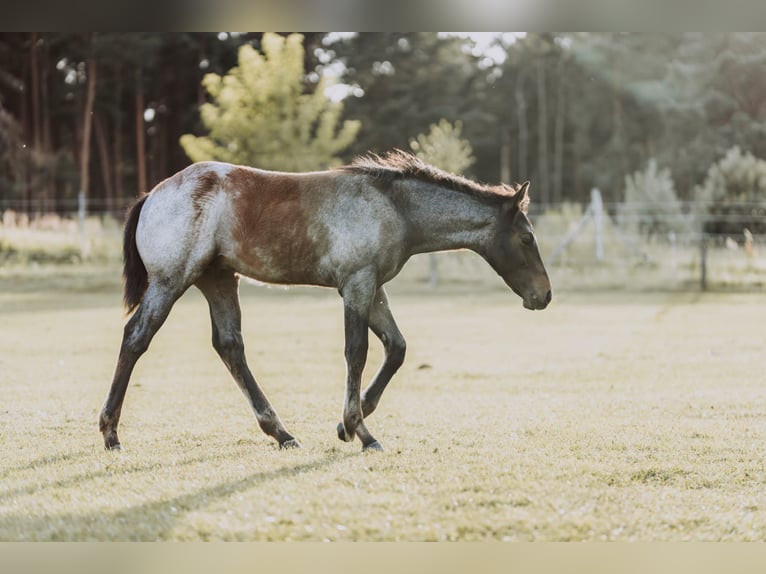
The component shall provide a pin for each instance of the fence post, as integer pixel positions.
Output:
(597, 206)
(703, 262)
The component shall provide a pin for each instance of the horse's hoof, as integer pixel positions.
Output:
(373, 446)
(342, 433)
(114, 447)
(292, 443)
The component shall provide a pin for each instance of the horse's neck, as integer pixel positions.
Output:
(442, 219)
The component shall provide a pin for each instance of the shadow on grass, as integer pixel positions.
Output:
(47, 460)
(116, 467)
(151, 520)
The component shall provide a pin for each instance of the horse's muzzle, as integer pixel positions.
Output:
(535, 303)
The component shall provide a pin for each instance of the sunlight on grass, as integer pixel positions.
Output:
(606, 417)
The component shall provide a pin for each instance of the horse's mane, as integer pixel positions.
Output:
(399, 164)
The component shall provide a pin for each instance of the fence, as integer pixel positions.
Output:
(600, 246)
(683, 232)
(584, 247)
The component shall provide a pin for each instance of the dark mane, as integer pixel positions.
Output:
(399, 164)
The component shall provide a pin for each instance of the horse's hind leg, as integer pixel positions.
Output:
(383, 325)
(220, 289)
(139, 331)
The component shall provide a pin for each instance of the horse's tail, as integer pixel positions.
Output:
(133, 271)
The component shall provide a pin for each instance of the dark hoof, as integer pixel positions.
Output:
(114, 447)
(292, 443)
(373, 446)
(342, 433)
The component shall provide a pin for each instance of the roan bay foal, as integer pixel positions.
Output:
(350, 228)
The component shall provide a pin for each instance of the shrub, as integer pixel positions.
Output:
(651, 205)
(733, 195)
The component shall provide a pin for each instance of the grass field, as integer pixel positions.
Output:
(609, 416)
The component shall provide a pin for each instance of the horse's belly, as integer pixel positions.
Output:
(280, 267)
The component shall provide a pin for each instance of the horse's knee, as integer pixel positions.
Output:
(146, 321)
(135, 340)
(396, 351)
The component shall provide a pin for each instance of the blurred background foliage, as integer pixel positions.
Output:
(667, 126)
(570, 111)
(262, 115)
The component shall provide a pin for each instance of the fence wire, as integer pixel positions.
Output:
(675, 255)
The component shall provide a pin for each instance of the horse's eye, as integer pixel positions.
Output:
(527, 239)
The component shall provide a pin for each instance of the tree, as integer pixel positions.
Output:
(527, 100)
(261, 115)
(651, 205)
(11, 146)
(443, 147)
(82, 197)
(733, 195)
(404, 82)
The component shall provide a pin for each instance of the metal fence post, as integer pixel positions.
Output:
(597, 206)
(703, 261)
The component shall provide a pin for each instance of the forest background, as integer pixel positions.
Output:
(569, 111)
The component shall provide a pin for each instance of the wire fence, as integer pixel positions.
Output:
(606, 246)
(620, 246)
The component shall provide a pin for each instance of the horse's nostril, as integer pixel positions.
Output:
(548, 297)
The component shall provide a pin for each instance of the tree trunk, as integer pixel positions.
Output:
(505, 156)
(202, 56)
(118, 189)
(103, 157)
(49, 193)
(23, 170)
(162, 152)
(580, 140)
(140, 142)
(87, 123)
(521, 115)
(618, 132)
(34, 80)
(558, 142)
(35, 187)
(543, 186)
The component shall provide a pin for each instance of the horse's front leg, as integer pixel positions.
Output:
(383, 325)
(357, 293)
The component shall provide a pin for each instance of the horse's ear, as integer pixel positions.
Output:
(519, 201)
(522, 194)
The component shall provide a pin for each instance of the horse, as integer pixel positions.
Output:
(350, 228)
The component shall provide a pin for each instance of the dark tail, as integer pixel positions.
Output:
(133, 271)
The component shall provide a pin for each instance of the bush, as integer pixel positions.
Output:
(50, 240)
(651, 205)
(443, 147)
(733, 195)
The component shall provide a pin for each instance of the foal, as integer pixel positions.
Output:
(350, 228)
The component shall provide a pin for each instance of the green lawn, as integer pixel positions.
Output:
(616, 416)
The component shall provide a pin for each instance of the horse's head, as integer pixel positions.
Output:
(514, 254)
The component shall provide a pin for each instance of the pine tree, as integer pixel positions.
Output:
(443, 147)
(261, 115)
(651, 205)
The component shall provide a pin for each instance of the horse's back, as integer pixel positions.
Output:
(310, 228)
